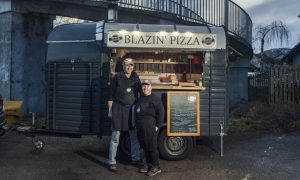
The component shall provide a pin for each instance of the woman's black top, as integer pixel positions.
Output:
(150, 110)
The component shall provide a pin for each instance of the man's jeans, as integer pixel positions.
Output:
(114, 142)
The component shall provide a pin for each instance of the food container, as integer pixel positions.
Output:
(165, 79)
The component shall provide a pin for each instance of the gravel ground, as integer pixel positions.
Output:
(273, 156)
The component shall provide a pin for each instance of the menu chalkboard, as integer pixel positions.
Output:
(183, 114)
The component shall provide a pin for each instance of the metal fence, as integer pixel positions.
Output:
(278, 85)
(212, 12)
(258, 86)
(285, 85)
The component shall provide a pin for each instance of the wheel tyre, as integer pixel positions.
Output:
(174, 148)
(38, 144)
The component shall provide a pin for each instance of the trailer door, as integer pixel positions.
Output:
(73, 96)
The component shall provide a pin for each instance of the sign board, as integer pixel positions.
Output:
(162, 40)
(183, 118)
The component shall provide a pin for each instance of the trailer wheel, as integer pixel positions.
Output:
(38, 144)
(175, 147)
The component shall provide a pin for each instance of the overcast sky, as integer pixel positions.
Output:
(266, 11)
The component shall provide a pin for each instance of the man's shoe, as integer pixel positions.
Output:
(143, 169)
(153, 171)
(113, 168)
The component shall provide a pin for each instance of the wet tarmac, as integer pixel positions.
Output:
(273, 156)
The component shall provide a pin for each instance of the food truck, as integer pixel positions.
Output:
(187, 66)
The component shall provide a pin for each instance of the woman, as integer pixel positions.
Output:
(149, 118)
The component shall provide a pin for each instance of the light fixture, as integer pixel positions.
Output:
(137, 29)
(175, 32)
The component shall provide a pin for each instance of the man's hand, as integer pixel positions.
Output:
(110, 113)
(156, 128)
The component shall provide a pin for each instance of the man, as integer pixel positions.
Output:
(124, 89)
(149, 118)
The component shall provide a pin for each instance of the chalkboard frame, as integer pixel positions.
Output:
(169, 94)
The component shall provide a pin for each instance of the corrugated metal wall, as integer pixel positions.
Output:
(73, 96)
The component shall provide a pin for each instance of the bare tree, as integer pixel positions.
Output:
(265, 34)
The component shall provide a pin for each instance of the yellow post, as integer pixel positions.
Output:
(13, 111)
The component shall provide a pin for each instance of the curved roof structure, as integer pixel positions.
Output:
(189, 12)
(71, 32)
(73, 41)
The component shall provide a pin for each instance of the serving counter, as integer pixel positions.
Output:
(173, 87)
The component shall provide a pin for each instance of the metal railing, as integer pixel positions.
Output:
(164, 6)
(211, 12)
(239, 22)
